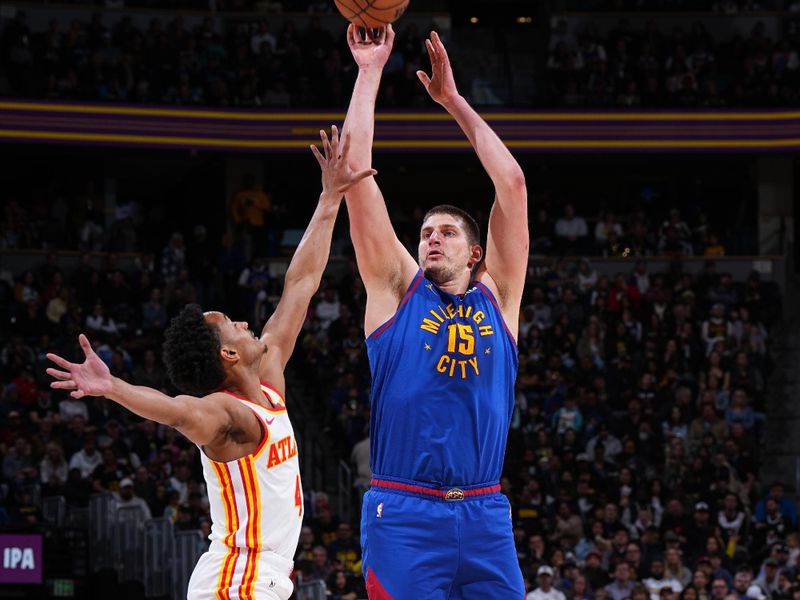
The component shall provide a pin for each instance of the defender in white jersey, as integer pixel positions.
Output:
(234, 410)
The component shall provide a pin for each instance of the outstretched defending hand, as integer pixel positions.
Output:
(90, 378)
(337, 176)
(440, 85)
(373, 51)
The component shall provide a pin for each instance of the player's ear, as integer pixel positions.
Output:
(476, 254)
(229, 356)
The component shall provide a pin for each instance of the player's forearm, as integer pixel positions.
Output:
(311, 257)
(360, 121)
(499, 163)
(147, 402)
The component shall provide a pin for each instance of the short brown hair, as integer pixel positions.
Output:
(467, 221)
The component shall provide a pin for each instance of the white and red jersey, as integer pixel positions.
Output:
(256, 505)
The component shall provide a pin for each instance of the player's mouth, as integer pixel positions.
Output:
(435, 254)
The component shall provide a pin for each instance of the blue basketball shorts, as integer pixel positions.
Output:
(424, 543)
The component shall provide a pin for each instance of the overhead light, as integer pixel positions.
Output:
(473, 20)
(524, 20)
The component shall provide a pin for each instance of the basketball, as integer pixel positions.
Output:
(371, 13)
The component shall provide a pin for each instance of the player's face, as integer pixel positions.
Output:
(444, 249)
(237, 335)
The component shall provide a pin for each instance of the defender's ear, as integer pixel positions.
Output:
(229, 356)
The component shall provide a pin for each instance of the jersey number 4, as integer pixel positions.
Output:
(298, 497)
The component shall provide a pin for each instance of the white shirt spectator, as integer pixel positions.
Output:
(85, 462)
(654, 586)
(49, 473)
(126, 498)
(70, 408)
(552, 594)
(327, 310)
(602, 229)
(611, 445)
(263, 36)
(101, 323)
(571, 228)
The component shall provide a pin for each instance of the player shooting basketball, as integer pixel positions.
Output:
(441, 336)
(235, 412)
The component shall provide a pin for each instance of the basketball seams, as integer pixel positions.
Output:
(351, 14)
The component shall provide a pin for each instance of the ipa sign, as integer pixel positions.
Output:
(20, 559)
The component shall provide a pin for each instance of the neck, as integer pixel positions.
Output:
(456, 285)
(247, 386)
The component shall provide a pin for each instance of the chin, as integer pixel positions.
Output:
(435, 274)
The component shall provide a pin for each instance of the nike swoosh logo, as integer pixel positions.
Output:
(270, 421)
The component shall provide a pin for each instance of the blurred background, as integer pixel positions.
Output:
(156, 153)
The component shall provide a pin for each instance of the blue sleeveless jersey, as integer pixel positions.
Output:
(443, 371)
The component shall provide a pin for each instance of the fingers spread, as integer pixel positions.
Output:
(345, 145)
(364, 174)
(85, 345)
(59, 361)
(318, 155)
(431, 51)
(441, 51)
(335, 141)
(423, 77)
(64, 385)
(58, 374)
(326, 145)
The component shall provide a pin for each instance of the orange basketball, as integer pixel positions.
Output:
(371, 13)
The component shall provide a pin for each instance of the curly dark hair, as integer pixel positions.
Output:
(191, 353)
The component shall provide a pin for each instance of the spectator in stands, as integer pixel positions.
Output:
(785, 505)
(345, 549)
(341, 587)
(250, 208)
(173, 258)
(87, 459)
(545, 589)
(126, 498)
(53, 469)
(571, 231)
(605, 226)
(320, 567)
(622, 586)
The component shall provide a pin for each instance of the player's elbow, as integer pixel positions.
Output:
(516, 181)
(301, 286)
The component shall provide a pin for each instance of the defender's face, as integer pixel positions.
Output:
(236, 335)
(444, 250)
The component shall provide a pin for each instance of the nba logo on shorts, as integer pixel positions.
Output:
(380, 510)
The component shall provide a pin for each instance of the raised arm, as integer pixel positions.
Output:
(308, 263)
(508, 241)
(205, 421)
(385, 265)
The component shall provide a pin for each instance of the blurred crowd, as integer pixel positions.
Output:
(246, 63)
(687, 66)
(41, 218)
